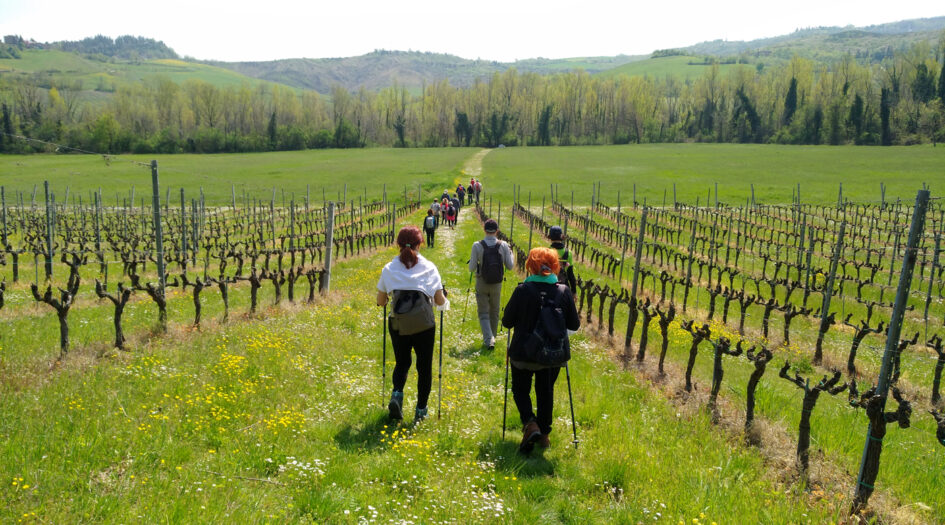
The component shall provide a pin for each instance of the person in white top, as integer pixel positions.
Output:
(410, 272)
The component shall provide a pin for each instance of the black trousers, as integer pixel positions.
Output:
(422, 344)
(430, 235)
(544, 395)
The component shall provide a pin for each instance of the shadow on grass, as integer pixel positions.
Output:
(507, 458)
(366, 437)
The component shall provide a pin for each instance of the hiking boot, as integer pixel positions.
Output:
(419, 415)
(543, 441)
(395, 407)
(530, 435)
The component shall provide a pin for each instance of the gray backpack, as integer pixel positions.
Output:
(412, 312)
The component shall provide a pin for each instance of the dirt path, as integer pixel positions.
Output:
(446, 237)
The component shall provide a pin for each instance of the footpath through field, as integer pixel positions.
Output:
(283, 419)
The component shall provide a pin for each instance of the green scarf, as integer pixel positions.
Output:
(548, 279)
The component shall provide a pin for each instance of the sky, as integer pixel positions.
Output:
(505, 31)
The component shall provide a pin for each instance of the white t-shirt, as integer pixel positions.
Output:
(423, 277)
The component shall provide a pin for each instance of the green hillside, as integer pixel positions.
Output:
(680, 67)
(50, 67)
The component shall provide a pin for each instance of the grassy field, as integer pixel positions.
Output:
(279, 417)
(678, 67)
(258, 174)
(696, 168)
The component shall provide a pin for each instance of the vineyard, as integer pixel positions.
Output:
(225, 357)
(739, 281)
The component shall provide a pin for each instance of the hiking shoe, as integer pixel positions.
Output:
(530, 435)
(395, 407)
(543, 441)
(419, 415)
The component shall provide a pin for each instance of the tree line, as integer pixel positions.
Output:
(900, 100)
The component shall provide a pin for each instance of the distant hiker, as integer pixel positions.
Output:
(429, 227)
(471, 192)
(450, 215)
(489, 259)
(542, 305)
(478, 190)
(461, 194)
(446, 195)
(565, 260)
(413, 284)
(458, 204)
(435, 208)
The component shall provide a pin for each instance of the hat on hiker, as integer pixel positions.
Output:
(491, 226)
(555, 233)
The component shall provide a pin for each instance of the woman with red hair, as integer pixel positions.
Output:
(415, 284)
(522, 314)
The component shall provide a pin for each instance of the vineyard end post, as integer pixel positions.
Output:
(871, 454)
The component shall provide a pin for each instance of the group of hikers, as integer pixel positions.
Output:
(447, 207)
(539, 316)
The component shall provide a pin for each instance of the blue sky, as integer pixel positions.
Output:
(487, 29)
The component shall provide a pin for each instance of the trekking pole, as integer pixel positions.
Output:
(505, 392)
(439, 403)
(468, 286)
(567, 374)
(384, 358)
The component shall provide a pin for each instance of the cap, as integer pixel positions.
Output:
(491, 226)
(555, 233)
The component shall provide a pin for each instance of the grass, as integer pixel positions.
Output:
(279, 417)
(678, 67)
(188, 427)
(696, 168)
(364, 172)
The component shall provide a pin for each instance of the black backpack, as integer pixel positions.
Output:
(412, 312)
(491, 267)
(563, 264)
(548, 343)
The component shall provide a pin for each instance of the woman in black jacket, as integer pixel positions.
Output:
(521, 314)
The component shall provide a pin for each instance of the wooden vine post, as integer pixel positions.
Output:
(828, 291)
(329, 242)
(869, 466)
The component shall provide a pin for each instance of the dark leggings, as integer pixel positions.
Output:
(430, 236)
(422, 344)
(544, 394)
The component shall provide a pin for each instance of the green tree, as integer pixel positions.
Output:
(941, 84)
(790, 102)
(104, 133)
(855, 120)
(463, 128)
(544, 126)
(885, 131)
(923, 89)
(272, 131)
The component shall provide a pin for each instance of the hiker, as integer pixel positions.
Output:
(461, 194)
(450, 216)
(565, 260)
(522, 314)
(489, 259)
(435, 207)
(429, 227)
(456, 204)
(471, 192)
(413, 284)
(478, 190)
(446, 195)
